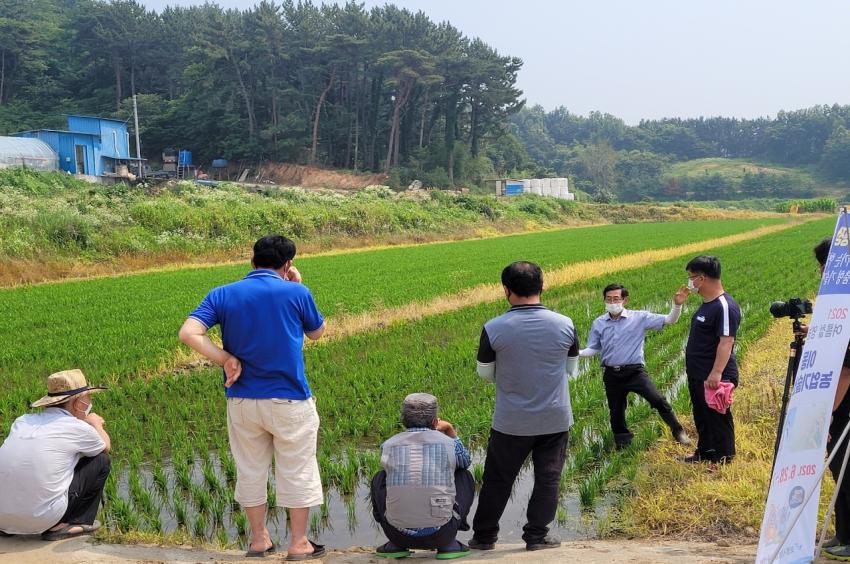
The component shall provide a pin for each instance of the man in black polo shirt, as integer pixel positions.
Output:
(710, 359)
(839, 546)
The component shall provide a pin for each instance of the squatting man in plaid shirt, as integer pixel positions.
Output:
(422, 496)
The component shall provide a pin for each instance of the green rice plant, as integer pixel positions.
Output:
(124, 517)
(199, 527)
(183, 476)
(315, 523)
(217, 508)
(210, 477)
(160, 480)
(271, 494)
(240, 521)
(221, 537)
(180, 510)
(202, 498)
(228, 466)
(478, 473)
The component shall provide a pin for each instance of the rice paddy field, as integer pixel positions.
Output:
(173, 473)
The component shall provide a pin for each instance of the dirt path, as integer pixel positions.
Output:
(18, 550)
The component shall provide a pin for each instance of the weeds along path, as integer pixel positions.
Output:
(344, 325)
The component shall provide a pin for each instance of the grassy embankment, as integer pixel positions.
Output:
(53, 226)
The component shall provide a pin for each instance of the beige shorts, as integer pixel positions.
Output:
(285, 429)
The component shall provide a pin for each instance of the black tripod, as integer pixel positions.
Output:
(794, 352)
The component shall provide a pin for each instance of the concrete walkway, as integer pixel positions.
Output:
(25, 550)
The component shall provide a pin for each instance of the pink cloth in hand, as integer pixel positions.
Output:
(720, 400)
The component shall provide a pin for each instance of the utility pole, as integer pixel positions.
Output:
(138, 146)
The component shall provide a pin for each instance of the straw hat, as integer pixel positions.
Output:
(64, 385)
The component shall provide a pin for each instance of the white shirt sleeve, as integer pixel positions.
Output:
(487, 371)
(673, 316)
(88, 441)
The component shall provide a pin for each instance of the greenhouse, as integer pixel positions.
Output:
(34, 153)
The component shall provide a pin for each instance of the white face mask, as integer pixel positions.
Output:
(87, 410)
(691, 287)
(615, 309)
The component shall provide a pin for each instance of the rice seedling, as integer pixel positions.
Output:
(181, 511)
(240, 521)
(217, 508)
(160, 480)
(271, 494)
(221, 537)
(199, 527)
(211, 477)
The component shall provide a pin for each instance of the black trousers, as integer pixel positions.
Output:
(87, 489)
(618, 384)
(505, 456)
(464, 494)
(716, 430)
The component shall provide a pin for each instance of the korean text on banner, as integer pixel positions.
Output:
(800, 460)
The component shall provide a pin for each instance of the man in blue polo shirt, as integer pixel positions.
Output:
(710, 359)
(618, 336)
(270, 410)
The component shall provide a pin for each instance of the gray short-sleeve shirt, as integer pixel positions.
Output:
(530, 345)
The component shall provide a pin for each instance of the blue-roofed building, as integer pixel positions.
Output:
(92, 146)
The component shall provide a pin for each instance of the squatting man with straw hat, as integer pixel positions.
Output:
(271, 412)
(54, 463)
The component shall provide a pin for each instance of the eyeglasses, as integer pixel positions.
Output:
(694, 276)
(614, 300)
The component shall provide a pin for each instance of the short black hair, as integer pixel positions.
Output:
(273, 251)
(624, 292)
(523, 278)
(822, 251)
(704, 264)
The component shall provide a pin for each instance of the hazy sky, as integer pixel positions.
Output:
(659, 58)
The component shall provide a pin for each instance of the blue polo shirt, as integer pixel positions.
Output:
(263, 319)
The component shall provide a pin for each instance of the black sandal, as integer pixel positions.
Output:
(318, 552)
(64, 532)
(260, 553)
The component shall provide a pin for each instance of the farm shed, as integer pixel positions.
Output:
(92, 146)
(16, 151)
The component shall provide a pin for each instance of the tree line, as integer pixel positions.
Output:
(384, 89)
(611, 159)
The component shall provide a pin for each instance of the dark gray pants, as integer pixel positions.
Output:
(87, 489)
(443, 538)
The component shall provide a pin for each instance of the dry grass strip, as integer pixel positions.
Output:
(347, 325)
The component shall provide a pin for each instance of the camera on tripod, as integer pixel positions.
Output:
(795, 308)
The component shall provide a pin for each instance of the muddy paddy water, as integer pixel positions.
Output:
(344, 520)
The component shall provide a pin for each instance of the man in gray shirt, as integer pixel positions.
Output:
(529, 352)
(619, 335)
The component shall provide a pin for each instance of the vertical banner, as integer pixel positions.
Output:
(802, 448)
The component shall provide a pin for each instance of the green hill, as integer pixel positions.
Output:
(735, 169)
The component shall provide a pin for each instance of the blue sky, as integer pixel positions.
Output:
(658, 58)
